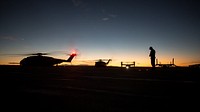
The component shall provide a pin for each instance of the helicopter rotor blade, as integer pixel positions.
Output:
(75, 51)
(103, 59)
(14, 54)
(28, 54)
(39, 54)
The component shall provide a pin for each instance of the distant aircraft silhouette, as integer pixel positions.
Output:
(101, 63)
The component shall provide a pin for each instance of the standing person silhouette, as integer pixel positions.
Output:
(152, 55)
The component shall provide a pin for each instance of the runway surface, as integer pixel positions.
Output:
(111, 89)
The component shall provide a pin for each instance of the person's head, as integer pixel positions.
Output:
(150, 48)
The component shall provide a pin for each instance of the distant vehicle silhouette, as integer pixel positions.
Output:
(128, 64)
(38, 59)
(195, 66)
(101, 63)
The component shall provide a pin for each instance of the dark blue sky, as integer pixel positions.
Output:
(119, 29)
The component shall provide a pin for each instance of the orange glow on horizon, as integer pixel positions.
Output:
(116, 61)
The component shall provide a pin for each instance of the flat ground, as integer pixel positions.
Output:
(112, 89)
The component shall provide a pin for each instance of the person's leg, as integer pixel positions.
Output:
(153, 62)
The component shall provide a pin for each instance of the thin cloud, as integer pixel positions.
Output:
(77, 3)
(105, 19)
(81, 4)
(107, 15)
(10, 38)
(112, 15)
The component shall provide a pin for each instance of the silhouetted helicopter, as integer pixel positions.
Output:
(38, 59)
(101, 63)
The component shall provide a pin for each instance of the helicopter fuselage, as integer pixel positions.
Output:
(100, 63)
(40, 61)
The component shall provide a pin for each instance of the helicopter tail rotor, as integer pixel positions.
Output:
(71, 57)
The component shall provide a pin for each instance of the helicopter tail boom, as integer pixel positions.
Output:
(71, 57)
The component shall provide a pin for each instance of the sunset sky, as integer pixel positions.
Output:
(122, 30)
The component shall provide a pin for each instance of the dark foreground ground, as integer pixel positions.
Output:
(91, 89)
